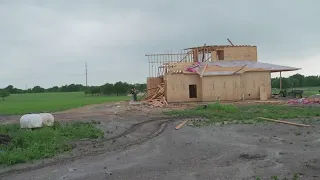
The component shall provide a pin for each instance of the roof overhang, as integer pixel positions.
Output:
(293, 69)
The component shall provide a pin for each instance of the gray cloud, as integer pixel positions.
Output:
(47, 42)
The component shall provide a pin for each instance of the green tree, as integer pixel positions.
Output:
(298, 80)
(38, 89)
(121, 88)
(10, 89)
(275, 83)
(4, 93)
(107, 89)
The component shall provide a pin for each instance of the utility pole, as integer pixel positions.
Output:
(86, 74)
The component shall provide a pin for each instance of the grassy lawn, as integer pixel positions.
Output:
(27, 145)
(50, 102)
(228, 113)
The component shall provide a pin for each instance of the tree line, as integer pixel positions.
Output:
(296, 80)
(118, 88)
(122, 88)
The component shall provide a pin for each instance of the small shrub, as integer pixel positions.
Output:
(4, 93)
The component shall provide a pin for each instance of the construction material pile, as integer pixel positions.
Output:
(157, 99)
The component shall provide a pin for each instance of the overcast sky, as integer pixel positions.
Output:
(47, 42)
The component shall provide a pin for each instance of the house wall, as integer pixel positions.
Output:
(221, 87)
(237, 53)
(251, 83)
(211, 88)
(177, 87)
(152, 83)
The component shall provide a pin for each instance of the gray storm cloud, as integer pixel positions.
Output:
(46, 43)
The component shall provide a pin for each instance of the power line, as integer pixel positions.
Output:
(86, 66)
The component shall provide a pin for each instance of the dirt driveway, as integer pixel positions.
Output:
(140, 144)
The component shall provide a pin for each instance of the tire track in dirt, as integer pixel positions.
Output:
(160, 123)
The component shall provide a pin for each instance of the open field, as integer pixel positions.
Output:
(308, 91)
(51, 102)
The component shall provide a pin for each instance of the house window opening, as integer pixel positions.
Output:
(220, 55)
(193, 91)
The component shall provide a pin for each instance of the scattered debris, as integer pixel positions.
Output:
(285, 122)
(157, 99)
(270, 102)
(181, 124)
(71, 169)
(109, 173)
(315, 99)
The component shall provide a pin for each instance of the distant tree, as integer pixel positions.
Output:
(275, 83)
(286, 83)
(311, 81)
(38, 89)
(53, 89)
(298, 79)
(96, 90)
(121, 88)
(107, 89)
(10, 89)
(93, 90)
(4, 93)
(140, 87)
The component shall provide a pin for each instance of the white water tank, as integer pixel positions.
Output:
(47, 119)
(31, 121)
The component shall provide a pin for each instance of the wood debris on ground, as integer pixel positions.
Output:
(285, 122)
(157, 99)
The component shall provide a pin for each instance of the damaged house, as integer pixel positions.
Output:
(209, 73)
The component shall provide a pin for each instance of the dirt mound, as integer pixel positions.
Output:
(4, 139)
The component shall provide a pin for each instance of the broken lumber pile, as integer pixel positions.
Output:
(157, 99)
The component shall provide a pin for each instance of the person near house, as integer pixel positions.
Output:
(134, 94)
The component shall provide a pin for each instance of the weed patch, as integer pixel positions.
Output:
(27, 145)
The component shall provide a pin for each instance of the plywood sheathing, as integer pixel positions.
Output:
(240, 53)
(152, 84)
(224, 88)
(251, 82)
(177, 89)
(236, 87)
(263, 93)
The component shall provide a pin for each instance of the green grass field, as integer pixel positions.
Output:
(228, 113)
(17, 104)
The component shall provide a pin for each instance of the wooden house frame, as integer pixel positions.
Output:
(209, 73)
